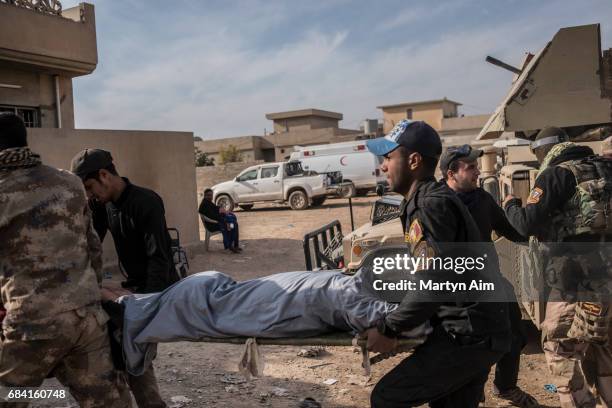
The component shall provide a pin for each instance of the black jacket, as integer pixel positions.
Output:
(444, 219)
(489, 216)
(552, 189)
(137, 223)
(210, 210)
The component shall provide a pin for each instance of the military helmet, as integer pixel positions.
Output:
(549, 136)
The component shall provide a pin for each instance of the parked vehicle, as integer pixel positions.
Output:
(359, 167)
(283, 182)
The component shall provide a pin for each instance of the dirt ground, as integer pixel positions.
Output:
(205, 374)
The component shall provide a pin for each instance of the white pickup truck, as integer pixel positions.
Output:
(283, 182)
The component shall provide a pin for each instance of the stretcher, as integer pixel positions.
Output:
(111, 290)
(332, 339)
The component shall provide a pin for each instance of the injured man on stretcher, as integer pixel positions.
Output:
(212, 304)
(284, 305)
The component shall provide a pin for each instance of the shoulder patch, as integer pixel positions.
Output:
(593, 309)
(424, 251)
(415, 232)
(535, 195)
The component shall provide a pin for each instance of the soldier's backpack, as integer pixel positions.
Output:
(589, 210)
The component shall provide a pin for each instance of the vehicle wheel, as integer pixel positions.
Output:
(298, 200)
(225, 201)
(245, 207)
(347, 190)
(318, 201)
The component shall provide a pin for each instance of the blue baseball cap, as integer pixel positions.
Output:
(416, 136)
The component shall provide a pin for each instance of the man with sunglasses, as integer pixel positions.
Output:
(467, 338)
(459, 167)
(575, 329)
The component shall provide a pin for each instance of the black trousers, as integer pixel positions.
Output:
(440, 372)
(507, 369)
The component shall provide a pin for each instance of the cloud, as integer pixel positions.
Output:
(415, 13)
(218, 77)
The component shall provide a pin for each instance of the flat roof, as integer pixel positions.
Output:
(302, 113)
(400, 105)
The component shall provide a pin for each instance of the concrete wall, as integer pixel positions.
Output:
(251, 147)
(161, 161)
(430, 113)
(304, 123)
(52, 42)
(208, 176)
(37, 91)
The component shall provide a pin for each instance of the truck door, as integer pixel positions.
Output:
(269, 183)
(246, 186)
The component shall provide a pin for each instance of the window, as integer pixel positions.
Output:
(249, 175)
(29, 115)
(269, 172)
(409, 113)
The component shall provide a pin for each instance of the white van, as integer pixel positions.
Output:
(360, 168)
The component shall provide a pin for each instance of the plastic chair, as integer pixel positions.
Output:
(208, 233)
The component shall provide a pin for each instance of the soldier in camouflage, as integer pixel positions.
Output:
(606, 147)
(50, 269)
(570, 203)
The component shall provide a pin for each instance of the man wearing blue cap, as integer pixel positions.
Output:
(451, 367)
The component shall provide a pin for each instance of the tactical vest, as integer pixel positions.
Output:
(588, 212)
(589, 209)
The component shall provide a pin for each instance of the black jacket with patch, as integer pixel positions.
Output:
(552, 189)
(445, 220)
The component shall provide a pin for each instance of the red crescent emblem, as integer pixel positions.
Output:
(342, 160)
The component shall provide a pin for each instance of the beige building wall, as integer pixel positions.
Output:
(432, 112)
(161, 161)
(250, 147)
(462, 130)
(57, 43)
(304, 123)
(37, 90)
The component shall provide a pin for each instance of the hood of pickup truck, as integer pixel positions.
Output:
(222, 186)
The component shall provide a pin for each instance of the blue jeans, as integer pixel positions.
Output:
(230, 234)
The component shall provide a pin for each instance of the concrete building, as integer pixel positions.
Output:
(462, 129)
(42, 48)
(441, 114)
(306, 127)
(251, 148)
(431, 112)
(291, 128)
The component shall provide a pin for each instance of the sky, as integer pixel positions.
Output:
(215, 68)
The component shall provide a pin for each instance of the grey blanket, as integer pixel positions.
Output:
(211, 304)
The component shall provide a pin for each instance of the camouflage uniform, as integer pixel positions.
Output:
(50, 269)
(581, 365)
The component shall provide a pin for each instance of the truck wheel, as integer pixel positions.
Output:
(225, 201)
(347, 190)
(245, 207)
(318, 201)
(298, 200)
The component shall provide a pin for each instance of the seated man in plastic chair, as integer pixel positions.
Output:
(216, 218)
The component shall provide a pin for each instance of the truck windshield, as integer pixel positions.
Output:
(294, 168)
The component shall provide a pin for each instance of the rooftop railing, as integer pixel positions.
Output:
(53, 7)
